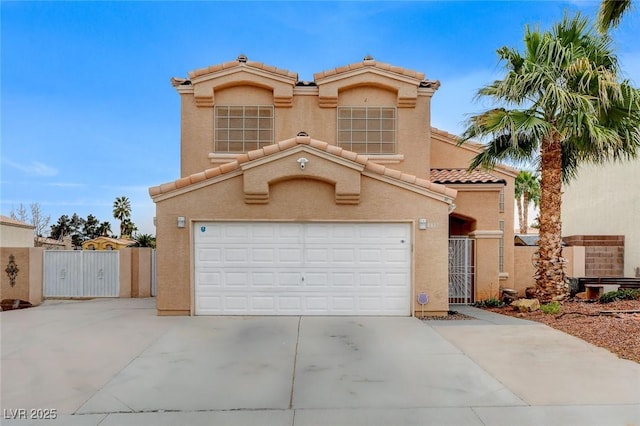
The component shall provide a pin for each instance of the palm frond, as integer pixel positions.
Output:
(610, 13)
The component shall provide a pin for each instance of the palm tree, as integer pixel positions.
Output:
(128, 228)
(104, 229)
(145, 240)
(610, 13)
(568, 107)
(121, 212)
(527, 190)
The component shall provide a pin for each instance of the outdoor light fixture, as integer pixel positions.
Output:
(303, 162)
(182, 221)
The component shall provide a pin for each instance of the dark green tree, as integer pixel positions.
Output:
(91, 228)
(61, 228)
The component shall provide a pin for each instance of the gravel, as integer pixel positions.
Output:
(618, 333)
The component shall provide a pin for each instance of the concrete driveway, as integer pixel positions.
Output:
(114, 362)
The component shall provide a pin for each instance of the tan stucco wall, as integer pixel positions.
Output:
(15, 236)
(297, 200)
(605, 200)
(141, 272)
(125, 273)
(525, 269)
(313, 109)
(28, 284)
(306, 114)
(480, 202)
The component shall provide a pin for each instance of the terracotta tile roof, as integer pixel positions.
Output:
(290, 143)
(369, 63)
(448, 176)
(241, 62)
(471, 146)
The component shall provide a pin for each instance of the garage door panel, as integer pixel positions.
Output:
(266, 304)
(210, 279)
(343, 255)
(236, 255)
(316, 279)
(289, 304)
(302, 269)
(317, 304)
(207, 254)
(290, 255)
(209, 303)
(236, 303)
(263, 255)
(263, 279)
(343, 279)
(289, 279)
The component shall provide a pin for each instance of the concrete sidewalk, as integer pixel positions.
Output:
(114, 362)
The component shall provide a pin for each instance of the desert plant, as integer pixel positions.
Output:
(623, 294)
(551, 308)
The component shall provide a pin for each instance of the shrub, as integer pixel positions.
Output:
(489, 303)
(551, 308)
(624, 294)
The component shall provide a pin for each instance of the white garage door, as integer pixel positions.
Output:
(267, 268)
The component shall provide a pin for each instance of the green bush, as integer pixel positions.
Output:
(624, 294)
(551, 308)
(489, 303)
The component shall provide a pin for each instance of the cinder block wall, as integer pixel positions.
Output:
(604, 254)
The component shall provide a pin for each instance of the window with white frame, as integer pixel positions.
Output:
(241, 128)
(367, 130)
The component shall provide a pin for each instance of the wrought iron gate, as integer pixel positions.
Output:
(81, 273)
(461, 271)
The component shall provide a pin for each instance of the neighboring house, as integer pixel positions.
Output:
(331, 197)
(14, 233)
(53, 244)
(605, 200)
(107, 243)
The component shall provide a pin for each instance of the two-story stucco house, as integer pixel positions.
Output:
(331, 197)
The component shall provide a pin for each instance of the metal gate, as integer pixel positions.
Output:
(81, 273)
(461, 271)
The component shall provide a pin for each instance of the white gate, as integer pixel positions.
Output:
(461, 271)
(81, 273)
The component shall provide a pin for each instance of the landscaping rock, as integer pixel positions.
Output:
(526, 305)
(530, 292)
(581, 295)
(10, 304)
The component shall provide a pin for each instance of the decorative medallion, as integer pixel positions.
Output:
(12, 270)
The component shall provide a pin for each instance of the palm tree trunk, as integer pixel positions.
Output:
(550, 278)
(525, 212)
(520, 217)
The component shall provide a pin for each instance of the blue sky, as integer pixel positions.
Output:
(88, 113)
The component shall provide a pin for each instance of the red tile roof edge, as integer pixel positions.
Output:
(290, 143)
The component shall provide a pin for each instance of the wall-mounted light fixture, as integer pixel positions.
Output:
(182, 222)
(303, 162)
